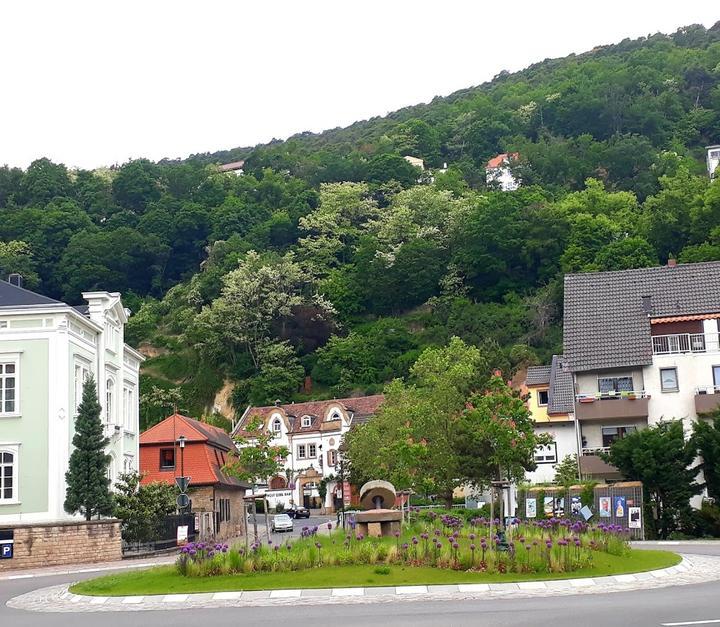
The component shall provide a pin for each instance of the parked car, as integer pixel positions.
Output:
(297, 511)
(282, 522)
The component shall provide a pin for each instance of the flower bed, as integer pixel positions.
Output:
(428, 540)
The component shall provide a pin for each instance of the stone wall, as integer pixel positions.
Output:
(72, 542)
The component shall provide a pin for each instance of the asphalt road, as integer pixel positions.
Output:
(282, 536)
(696, 605)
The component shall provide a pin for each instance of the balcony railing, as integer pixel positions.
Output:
(686, 343)
(629, 404)
(595, 450)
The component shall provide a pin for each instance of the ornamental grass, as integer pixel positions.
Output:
(440, 540)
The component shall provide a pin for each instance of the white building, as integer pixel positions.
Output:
(498, 172)
(551, 405)
(643, 346)
(312, 433)
(235, 167)
(47, 350)
(713, 159)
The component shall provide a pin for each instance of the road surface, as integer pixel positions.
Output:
(674, 606)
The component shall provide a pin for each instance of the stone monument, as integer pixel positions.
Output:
(378, 519)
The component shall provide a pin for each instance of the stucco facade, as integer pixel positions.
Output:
(47, 348)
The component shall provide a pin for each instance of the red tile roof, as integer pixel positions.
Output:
(684, 318)
(207, 450)
(361, 408)
(500, 160)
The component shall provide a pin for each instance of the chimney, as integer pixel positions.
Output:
(278, 402)
(15, 279)
(672, 262)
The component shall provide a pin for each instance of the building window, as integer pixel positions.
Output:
(306, 421)
(546, 454)
(668, 379)
(109, 400)
(167, 458)
(224, 510)
(276, 425)
(82, 374)
(129, 408)
(332, 457)
(8, 387)
(614, 385)
(8, 475)
(610, 434)
(542, 397)
(301, 451)
(312, 451)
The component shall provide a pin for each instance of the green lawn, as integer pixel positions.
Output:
(165, 580)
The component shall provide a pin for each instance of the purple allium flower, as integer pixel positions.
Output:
(329, 525)
(405, 546)
(397, 534)
(472, 536)
(455, 545)
(318, 545)
(472, 547)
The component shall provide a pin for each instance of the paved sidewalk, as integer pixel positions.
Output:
(71, 569)
(693, 569)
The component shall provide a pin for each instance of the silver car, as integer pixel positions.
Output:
(282, 522)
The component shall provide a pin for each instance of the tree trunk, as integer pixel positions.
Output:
(254, 513)
(448, 498)
(267, 522)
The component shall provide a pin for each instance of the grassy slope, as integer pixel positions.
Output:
(165, 580)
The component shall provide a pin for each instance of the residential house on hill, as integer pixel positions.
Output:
(313, 433)
(235, 167)
(217, 498)
(551, 405)
(643, 346)
(47, 350)
(498, 171)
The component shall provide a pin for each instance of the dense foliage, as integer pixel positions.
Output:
(333, 258)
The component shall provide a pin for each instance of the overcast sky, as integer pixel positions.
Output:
(99, 82)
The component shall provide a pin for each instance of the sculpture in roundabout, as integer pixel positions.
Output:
(378, 518)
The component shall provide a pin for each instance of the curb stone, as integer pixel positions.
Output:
(693, 569)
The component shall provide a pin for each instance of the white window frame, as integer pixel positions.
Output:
(14, 450)
(677, 380)
(547, 395)
(544, 454)
(10, 359)
(306, 421)
(301, 451)
(109, 400)
(129, 408)
(312, 451)
(81, 373)
(276, 423)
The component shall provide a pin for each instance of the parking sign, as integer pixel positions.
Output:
(6, 550)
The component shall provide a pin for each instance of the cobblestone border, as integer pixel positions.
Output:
(693, 569)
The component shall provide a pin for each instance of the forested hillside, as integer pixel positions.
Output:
(332, 263)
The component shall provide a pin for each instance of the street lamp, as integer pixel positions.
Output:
(181, 443)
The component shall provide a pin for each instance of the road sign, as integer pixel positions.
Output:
(6, 550)
(182, 483)
(182, 500)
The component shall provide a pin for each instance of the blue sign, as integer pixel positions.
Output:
(6, 551)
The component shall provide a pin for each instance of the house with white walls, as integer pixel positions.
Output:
(47, 350)
(312, 432)
(498, 172)
(643, 346)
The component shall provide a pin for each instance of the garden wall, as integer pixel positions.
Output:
(612, 504)
(58, 543)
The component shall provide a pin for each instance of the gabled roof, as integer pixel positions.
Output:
(361, 408)
(170, 429)
(14, 296)
(503, 159)
(538, 375)
(607, 314)
(229, 167)
(561, 394)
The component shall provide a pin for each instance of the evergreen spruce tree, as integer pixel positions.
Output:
(88, 486)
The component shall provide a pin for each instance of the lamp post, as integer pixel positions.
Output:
(181, 443)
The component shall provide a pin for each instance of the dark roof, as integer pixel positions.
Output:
(607, 314)
(538, 375)
(82, 309)
(14, 296)
(561, 394)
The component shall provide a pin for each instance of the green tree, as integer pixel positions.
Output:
(706, 439)
(136, 185)
(412, 441)
(661, 458)
(16, 257)
(142, 508)
(87, 481)
(566, 472)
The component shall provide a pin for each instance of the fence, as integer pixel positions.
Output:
(166, 536)
(613, 504)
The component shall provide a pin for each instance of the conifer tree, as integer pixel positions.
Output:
(87, 482)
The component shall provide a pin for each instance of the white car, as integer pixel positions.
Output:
(282, 522)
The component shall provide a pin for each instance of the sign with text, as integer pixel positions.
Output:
(182, 535)
(6, 543)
